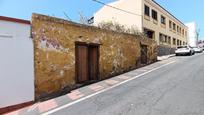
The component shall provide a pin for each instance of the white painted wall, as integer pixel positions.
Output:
(107, 14)
(192, 34)
(16, 64)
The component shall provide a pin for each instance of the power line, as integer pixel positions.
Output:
(116, 8)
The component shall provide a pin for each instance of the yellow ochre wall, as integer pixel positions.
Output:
(54, 44)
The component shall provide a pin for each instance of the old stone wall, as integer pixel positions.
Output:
(54, 43)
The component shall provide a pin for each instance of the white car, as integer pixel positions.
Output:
(197, 50)
(202, 48)
(184, 50)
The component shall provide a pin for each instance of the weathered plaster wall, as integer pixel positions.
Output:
(54, 43)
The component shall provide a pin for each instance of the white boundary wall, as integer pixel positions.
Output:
(16, 64)
(192, 34)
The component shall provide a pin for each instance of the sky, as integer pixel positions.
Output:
(184, 10)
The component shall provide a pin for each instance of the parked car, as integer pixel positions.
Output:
(184, 50)
(202, 48)
(197, 50)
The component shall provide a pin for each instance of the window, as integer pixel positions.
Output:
(182, 31)
(169, 40)
(178, 42)
(149, 33)
(174, 26)
(154, 14)
(146, 10)
(177, 28)
(163, 20)
(170, 24)
(163, 38)
(174, 41)
(160, 38)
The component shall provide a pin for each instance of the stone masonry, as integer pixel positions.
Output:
(54, 50)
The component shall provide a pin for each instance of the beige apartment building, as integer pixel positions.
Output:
(148, 17)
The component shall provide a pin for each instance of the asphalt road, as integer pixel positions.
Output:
(176, 89)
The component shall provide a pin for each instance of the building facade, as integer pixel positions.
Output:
(51, 56)
(192, 34)
(67, 54)
(148, 17)
(17, 62)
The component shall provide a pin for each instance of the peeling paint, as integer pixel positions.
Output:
(52, 45)
(61, 73)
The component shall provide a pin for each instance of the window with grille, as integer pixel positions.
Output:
(146, 10)
(154, 14)
(163, 20)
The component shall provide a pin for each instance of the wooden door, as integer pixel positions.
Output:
(87, 62)
(143, 54)
(81, 63)
(93, 62)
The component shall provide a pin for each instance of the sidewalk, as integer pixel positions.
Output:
(160, 58)
(83, 93)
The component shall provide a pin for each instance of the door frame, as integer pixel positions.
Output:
(88, 45)
(145, 53)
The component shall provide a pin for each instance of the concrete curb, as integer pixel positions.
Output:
(160, 58)
(83, 92)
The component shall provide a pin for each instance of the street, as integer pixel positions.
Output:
(117, 57)
(176, 89)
